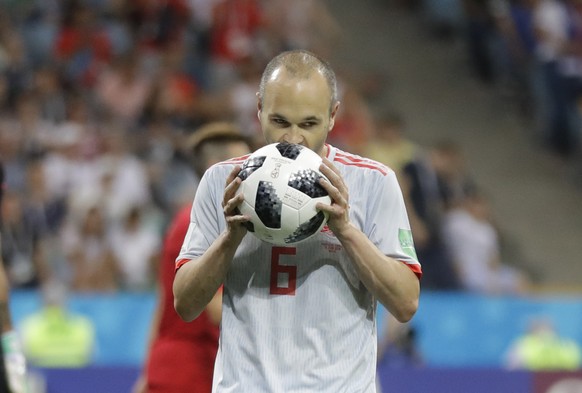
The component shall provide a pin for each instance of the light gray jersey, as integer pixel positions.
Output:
(298, 319)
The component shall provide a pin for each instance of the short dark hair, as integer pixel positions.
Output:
(300, 63)
(214, 133)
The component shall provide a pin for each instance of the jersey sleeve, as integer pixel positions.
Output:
(205, 220)
(388, 226)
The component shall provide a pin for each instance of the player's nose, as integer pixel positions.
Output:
(293, 135)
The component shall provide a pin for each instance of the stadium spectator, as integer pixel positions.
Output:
(169, 172)
(88, 249)
(474, 245)
(234, 36)
(81, 46)
(34, 130)
(123, 90)
(23, 233)
(13, 368)
(550, 22)
(515, 57)
(389, 143)
(241, 98)
(55, 337)
(12, 153)
(66, 165)
(541, 348)
(454, 179)
(302, 24)
(122, 178)
(14, 61)
(135, 245)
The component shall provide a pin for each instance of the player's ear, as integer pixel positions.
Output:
(333, 113)
(259, 105)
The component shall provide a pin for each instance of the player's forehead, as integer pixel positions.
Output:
(298, 98)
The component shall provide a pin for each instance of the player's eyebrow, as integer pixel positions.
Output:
(306, 119)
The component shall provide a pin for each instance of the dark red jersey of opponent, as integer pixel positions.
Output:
(182, 354)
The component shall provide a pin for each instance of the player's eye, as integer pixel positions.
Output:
(308, 125)
(280, 122)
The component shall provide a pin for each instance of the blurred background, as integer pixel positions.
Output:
(474, 103)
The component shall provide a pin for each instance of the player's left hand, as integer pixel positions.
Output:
(230, 202)
(339, 210)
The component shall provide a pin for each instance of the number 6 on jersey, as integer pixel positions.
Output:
(279, 271)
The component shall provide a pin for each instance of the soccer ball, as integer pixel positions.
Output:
(280, 187)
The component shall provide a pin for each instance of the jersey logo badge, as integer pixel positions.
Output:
(407, 243)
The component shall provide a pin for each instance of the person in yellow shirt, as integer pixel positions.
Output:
(389, 145)
(53, 337)
(542, 349)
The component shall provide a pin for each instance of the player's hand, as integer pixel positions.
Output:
(339, 210)
(230, 203)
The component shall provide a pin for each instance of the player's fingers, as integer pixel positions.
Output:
(328, 163)
(237, 219)
(335, 211)
(233, 174)
(324, 207)
(231, 205)
(333, 174)
(232, 177)
(331, 177)
(230, 190)
(335, 194)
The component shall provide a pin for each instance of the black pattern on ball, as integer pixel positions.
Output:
(268, 206)
(289, 150)
(306, 229)
(251, 165)
(307, 181)
(249, 226)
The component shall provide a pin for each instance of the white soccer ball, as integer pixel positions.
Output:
(281, 188)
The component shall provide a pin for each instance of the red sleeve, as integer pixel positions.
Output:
(416, 268)
(181, 262)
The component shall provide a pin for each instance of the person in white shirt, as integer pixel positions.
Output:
(300, 318)
(474, 245)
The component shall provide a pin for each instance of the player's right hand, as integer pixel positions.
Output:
(230, 203)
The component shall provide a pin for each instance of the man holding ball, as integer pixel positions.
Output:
(320, 336)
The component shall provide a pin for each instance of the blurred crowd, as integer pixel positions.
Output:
(97, 98)
(531, 51)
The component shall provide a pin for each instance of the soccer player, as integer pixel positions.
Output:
(181, 355)
(12, 361)
(300, 318)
